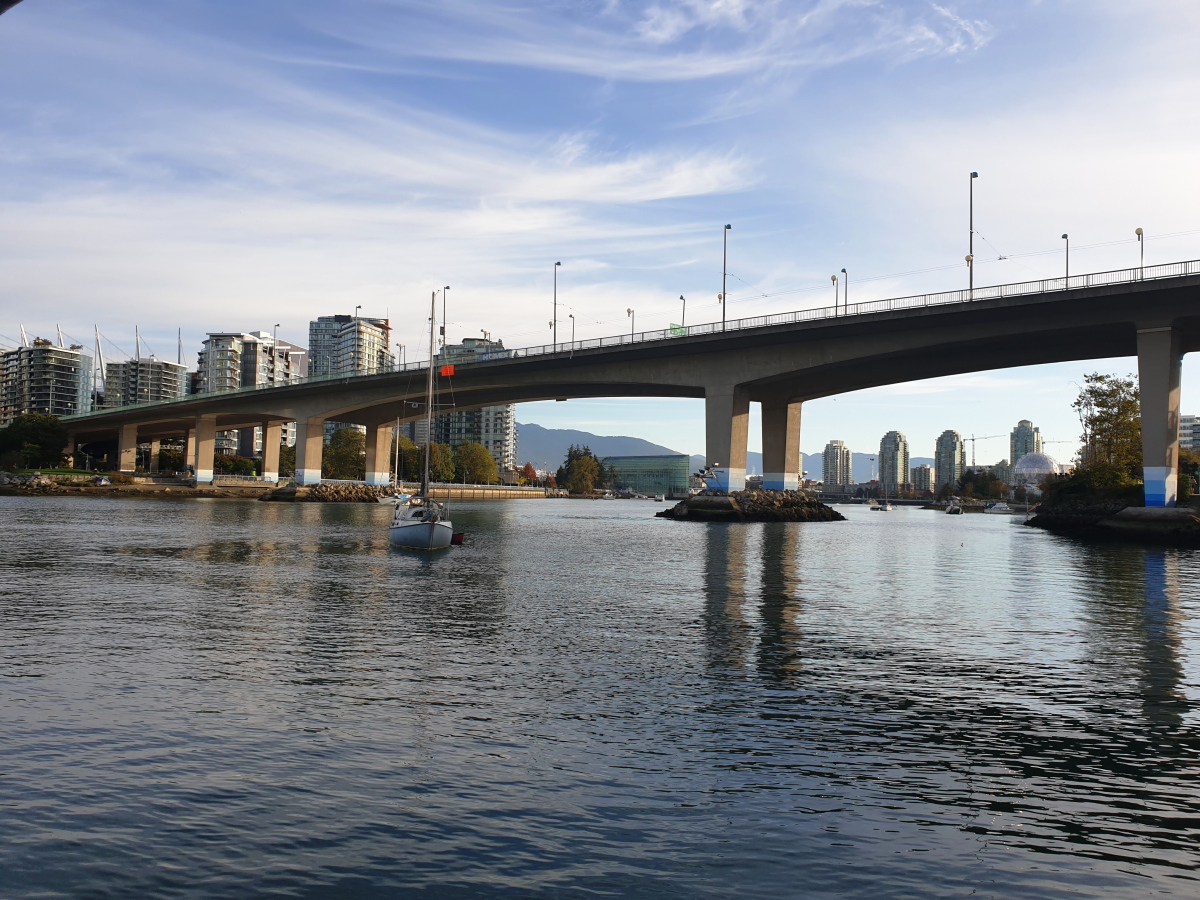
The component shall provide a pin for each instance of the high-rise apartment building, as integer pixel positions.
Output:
(343, 345)
(893, 460)
(47, 378)
(144, 381)
(922, 478)
(835, 465)
(1024, 439)
(495, 427)
(949, 459)
(1188, 432)
(233, 360)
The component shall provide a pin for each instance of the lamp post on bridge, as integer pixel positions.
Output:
(1068, 270)
(833, 278)
(554, 321)
(400, 354)
(724, 267)
(683, 315)
(632, 322)
(846, 291)
(971, 244)
(572, 316)
(1142, 252)
(970, 259)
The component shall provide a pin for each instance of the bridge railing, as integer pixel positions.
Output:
(942, 298)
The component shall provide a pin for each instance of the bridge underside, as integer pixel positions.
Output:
(777, 366)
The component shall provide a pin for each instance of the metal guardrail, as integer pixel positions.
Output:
(242, 479)
(943, 298)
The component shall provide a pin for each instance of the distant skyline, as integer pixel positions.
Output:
(221, 166)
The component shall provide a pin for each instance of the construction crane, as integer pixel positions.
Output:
(973, 439)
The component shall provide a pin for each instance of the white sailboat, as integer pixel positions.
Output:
(423, 523)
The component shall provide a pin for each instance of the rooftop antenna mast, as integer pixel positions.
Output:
(24, 339)
(60, 340)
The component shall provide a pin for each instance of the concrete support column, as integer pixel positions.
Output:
(190, 458)
(272, 433)
(155, 447)
(726, 425)
(310, 443)
(206, 445)
(781, 445)
(1159, 360)
(127, 449)
(379, 454)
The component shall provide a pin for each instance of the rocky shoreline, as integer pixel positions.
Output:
(752, 506)
(329, 493)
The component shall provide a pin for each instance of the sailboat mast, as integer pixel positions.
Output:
(429, 393)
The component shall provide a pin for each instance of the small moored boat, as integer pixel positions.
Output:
(423, 523)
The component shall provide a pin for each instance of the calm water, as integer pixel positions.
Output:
(224, 699)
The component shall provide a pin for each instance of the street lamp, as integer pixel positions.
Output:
(833, 278)
(400, 353)
(724, 265)
(632, 320)
(554, 321)
(846, 291)
(683, 315)
(970, 258)
(1068, 240)
(1142, 250)
(572, 315)
(971, 248)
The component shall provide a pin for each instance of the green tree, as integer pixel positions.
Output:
(1109, 411)
(34, 439)
(346, 456)
(287, 461)
(473, 464)
(441, 462)
(411, 458)
(596, 471)
(170, 459)
(585, 472)
(227, 464)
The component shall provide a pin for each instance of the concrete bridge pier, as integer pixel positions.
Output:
(206, 447)
(379, 453)
(310, 444)
(190, 448)
(781, 444)
(155, 449)
(1160, 357)
(272, 434)
(726, 427)
(127, 449)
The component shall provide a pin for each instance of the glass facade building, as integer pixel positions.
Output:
(651, 474)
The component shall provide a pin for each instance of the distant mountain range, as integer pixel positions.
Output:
(546, 448)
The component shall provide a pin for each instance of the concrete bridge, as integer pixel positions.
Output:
(779, 360)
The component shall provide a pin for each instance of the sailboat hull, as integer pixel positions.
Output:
(422, 535)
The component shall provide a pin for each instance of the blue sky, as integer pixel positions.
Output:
(220, 165)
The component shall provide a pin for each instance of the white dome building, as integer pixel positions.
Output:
(1032, 468)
